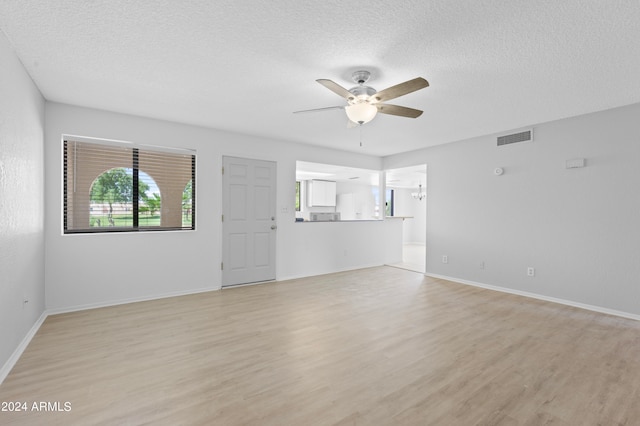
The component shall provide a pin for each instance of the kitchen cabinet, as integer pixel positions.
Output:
(321, 193)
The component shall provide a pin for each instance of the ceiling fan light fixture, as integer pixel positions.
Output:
(361, 112)
(364, 102)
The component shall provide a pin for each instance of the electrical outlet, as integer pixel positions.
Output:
(445, 259)
(531, 272)
(481, 265)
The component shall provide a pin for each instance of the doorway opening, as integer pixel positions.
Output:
(407, 201)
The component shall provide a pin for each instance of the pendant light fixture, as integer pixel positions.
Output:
(420, 195)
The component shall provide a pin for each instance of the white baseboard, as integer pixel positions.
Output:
(15, 356)
(129, 300)
(539, 297)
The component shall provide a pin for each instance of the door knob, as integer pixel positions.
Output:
(274, 226)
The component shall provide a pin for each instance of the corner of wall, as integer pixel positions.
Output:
(22, 195)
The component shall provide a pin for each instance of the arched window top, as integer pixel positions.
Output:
(111, 199)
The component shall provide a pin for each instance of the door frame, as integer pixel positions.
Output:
(222, 209)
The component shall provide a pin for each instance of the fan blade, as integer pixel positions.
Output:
(400, 89)
(336, 88)
(318, 109)
(398, 110)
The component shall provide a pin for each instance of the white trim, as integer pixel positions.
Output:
(15, 356)
(228, 287)
(130, 300)
(539, 297)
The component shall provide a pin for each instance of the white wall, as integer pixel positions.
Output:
(414, 230)
(359, 203)
(322, 247)
(580, 228)
(21, 203)
(92, 270)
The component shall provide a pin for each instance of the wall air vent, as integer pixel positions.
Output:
(525, 136)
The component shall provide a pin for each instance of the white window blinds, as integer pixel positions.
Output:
(111, 187)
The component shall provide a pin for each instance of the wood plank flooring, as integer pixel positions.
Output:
(378, 346)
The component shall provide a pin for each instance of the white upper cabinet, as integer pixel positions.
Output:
(321, 193)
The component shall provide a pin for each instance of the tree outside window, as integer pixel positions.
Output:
(111, 199)
(187, 208)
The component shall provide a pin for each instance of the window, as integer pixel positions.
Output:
(116, 187)
(389, 203)
(187, 205)
(298, 196)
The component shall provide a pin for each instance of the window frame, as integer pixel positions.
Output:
(390, 202)
(135, 166)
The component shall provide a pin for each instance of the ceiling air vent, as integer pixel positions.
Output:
(525, 136)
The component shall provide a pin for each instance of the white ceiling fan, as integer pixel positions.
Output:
(364, 102)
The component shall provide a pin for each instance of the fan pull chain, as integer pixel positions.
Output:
(360, 127)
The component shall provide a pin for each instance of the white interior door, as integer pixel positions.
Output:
(248, 221)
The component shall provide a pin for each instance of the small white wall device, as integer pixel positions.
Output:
(498, 171)
(574, 163)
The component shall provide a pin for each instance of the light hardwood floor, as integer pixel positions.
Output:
(379, 346)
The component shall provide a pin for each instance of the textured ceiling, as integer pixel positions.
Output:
(245, 66)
